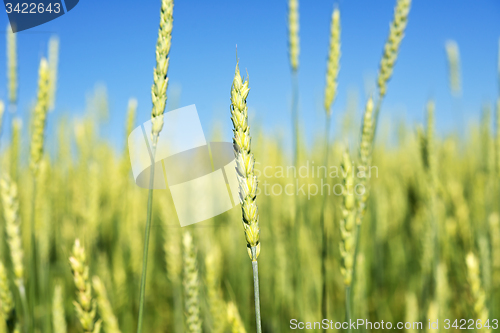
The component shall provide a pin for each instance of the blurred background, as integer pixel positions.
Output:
(429, 225)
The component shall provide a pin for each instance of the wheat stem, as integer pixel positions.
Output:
(146, 241)
(255, 268)
(324, 245)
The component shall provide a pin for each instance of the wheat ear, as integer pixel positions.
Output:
(392, 44)
(159, 99)
(160, 84)
(53, 65)
(40, 116)
(247, 180)
(58, 316)
(191, 285)
(391, 50)
(453, 66)
(234, 319)
(332, 69)
(12, 66)
(85, 305)
(10, 204)
(109, 321)
(477, 291)
(6, 298)
(293, 33)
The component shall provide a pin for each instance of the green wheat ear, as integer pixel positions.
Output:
(40, 116)
(293, 33)
(332, 69)
(53, 64)
(12, 65)
(85, 305)
(348, 221)
(58, 316)
(453, 57)
(160, 84)
(191, 285)
(391, 47)
(245, 163)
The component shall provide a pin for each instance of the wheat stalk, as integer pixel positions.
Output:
(53, 65)
(58, 316)
(12, 66)
(85, 305)
(191, 285)
(159, 99)
(109, 320)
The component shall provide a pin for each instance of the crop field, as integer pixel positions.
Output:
(360, 227)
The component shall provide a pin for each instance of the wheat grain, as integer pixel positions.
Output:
(191, 285)
(85, 305)
(39, 116)
(332, 69)
(53, 64)
(293, 33)
(109, 321)
(159, 88)
(12, 65)
(58, 316)
(453, 66)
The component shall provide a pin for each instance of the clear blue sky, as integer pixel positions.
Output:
(113, 42)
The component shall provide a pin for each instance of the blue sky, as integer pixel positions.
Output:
(113, 42)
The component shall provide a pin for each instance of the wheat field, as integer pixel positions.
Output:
(414, 239)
